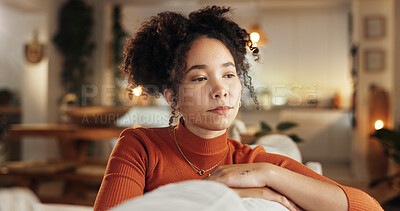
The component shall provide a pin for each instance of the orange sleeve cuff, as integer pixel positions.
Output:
(359, 200)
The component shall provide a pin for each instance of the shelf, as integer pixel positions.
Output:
(10, 110)
(77, 187)
(90, 170)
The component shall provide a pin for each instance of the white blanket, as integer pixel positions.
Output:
(197, 195)
(17, 199)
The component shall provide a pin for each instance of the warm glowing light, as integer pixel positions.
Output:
(137, 91)
(379, 124)
(255, 37)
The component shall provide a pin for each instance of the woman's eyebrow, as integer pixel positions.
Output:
(203, 66)
(228, 64)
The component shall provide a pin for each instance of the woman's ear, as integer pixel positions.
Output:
(168, 95)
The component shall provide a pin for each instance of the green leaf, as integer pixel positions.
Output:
(390, 141)
(259, 134)
(386, 133)
(265, 127)
(378, 181)
(295, 138)
(285, 126)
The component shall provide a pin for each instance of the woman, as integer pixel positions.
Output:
(199, 64)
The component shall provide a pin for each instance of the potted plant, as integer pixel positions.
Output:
(265, 129)
(280, 129)
(118, 41)
(390, 141)
(73, 40)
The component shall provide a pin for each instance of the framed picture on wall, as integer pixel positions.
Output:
(374, 27)
(374, 60)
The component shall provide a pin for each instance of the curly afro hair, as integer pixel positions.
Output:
(154, 57)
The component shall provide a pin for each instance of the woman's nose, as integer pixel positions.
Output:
(221, 93)
(218, 90)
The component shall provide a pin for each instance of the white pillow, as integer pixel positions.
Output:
(187, 195)
(279, 144)
(197, 195)
(17, 199)
(61, 207)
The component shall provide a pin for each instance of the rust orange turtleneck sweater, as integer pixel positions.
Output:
(146, 158)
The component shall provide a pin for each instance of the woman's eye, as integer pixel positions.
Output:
(230, 75)
(200, 79)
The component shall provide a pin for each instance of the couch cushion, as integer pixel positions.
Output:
(280, 144)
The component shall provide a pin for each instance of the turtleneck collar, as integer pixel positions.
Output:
(190, 141)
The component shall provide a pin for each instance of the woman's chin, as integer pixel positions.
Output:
(211, 122)
(216, 126)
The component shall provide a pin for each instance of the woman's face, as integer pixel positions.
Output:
(210, 91)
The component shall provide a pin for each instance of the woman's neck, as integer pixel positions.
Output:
(203, 132)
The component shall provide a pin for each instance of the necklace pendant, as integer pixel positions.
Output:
(201, 172)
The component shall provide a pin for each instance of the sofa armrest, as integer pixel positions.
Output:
(280, 144)
(284, 145)
(315, 166)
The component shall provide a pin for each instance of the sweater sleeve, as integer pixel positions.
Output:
(126, 171)
(357, 199)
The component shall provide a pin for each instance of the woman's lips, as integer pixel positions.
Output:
(221, 110)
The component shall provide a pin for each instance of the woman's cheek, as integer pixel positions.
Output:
(235, 93)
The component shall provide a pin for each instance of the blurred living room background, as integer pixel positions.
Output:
(329, 66)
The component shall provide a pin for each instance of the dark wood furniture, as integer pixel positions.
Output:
(74, 144)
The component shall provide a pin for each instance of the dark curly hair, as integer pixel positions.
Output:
(154, 57)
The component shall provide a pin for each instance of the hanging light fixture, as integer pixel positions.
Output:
(258, 36)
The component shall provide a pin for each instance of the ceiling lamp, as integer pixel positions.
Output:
(258, 36)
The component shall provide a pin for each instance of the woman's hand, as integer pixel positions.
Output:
(268, 194)
(241, 175)
(250, 180)
(306, 192)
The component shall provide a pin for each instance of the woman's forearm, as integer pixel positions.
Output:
(308, 193)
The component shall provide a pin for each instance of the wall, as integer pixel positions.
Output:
(361, 9)
(16, 29)
(308, 51)
(396, 96)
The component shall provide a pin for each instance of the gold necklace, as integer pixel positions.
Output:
(199, 171)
